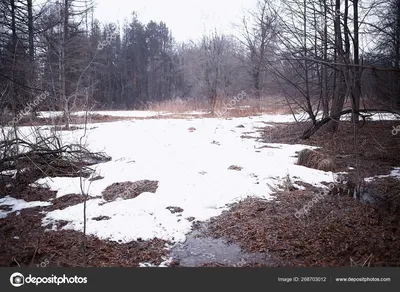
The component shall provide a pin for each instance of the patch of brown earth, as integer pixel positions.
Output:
(174, 210)
(129, 190)
(376, 145)
(235, 167)
(101, 218)
(336, 231)
(65, 202)
(24, 243)
(30, 194)
(6, 208)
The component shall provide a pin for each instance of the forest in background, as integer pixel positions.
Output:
(318, 55)
(322, 58)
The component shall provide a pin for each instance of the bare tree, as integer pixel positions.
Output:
(259, 38)
(212, 69)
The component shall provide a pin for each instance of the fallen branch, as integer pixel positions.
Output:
(44, 157)
(312, 130)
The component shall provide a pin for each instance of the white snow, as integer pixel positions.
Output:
(195, 113)
(163, 264)
(191, 168)
(395, 173)
(12, 173)
(18, 205)
(374, 117)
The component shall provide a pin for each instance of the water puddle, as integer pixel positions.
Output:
(200, 249)
(368, 198)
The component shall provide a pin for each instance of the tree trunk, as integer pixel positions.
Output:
(63, 80)
(340, 86)
(356, 95)
(325, 97)
(31, 50)
(256, 77)
(397, 53)
(15, 44)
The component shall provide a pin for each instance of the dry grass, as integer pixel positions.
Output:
(314, 159)
(59, 122)
(338, 231)
(377, 147)
(179, 105)
(267, 104)
(226, 106)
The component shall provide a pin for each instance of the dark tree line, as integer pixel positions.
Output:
(59, 48)
(312, 52)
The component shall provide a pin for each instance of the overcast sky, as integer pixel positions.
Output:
(187, 19)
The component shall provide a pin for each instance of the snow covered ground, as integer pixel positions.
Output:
(17, 205)
(395, 173)
(190, 166)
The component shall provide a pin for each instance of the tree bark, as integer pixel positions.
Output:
(340, 94)
(356, 95)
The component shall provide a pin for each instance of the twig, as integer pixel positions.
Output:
(15, 260)
(367, 260)
(34, 254)
(377, 142)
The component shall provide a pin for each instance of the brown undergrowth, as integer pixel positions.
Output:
(24, 242)
(337, 230)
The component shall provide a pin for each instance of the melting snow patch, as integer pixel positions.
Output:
(395, 173)
(164, 264)
(164, 151)
(17, 205)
